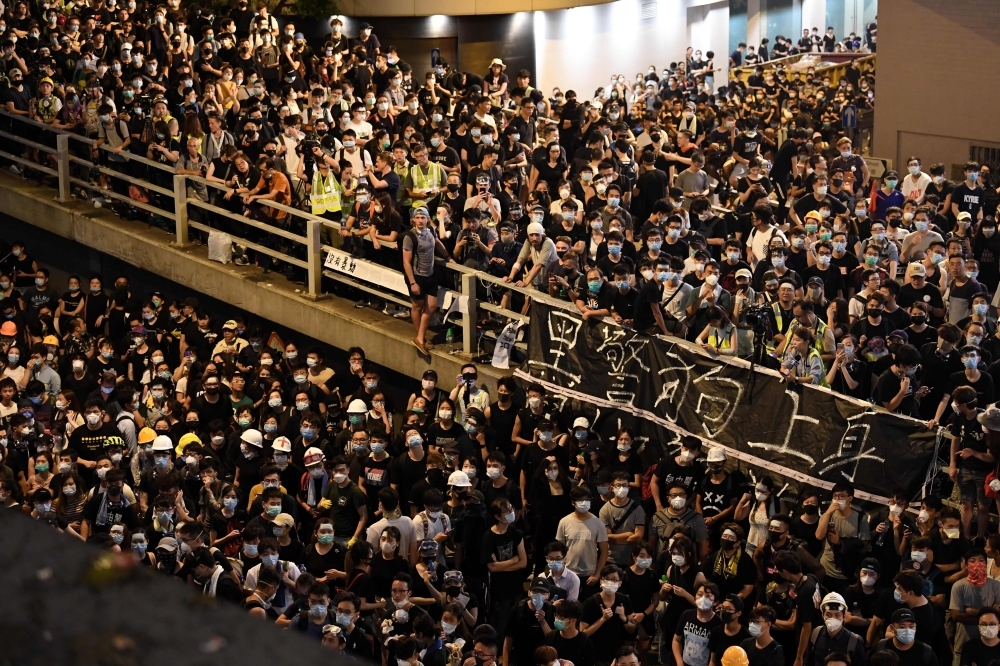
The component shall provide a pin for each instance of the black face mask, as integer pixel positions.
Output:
(435, 477)
(810, 509)
(453, 187)
(726, 616)
(874, 313)
(453, 590)
(193, 425)
(919, 319)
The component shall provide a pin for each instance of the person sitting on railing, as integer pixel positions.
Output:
(595, 300)
(278, 191)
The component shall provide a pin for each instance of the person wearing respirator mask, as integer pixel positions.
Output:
(690, 647)
(680, 466)
(624, 518)
(984, 646)
(838, 522)
(833, 636)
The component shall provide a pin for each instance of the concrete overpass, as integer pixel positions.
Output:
(329, 319)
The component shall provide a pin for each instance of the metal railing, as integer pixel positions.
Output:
(829, 64)
(74, 168)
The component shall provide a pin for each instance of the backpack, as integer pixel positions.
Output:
(852, 640)
(926, 656)
(647, 478)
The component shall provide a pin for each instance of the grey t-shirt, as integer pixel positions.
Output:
(581, 538)
(611, 515)
(545, 255)
(692, 182)
(854, 526)
(423, 255)
(966, 595)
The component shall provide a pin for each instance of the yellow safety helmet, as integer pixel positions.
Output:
(735, 656)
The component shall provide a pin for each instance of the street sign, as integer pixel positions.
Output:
(849, 116)
(878, 166)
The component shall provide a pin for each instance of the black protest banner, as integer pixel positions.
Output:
(668, 388)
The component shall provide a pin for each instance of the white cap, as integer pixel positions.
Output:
(536, 228)
(313, 456)
(833, 599)
(581, 422)
(716, 454)
(460, 479)
(357, 406)
(163, 443)
(253, 436)
(282, 444)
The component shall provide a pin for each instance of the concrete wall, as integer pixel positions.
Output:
(937, 93)
(335, 321)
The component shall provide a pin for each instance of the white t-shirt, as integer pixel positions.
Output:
(407, 533)
(916, 190)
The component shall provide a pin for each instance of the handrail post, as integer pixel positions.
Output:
(180, 209)
(62, 155)
(314, 257)
(470, 317)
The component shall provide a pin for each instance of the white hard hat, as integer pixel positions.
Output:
(282, 444)
(357, 406)
(253, 436)
(163, 443)
(833, 601)
(536, 228)
(313, 456)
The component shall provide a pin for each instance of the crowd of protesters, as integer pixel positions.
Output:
(475, 529)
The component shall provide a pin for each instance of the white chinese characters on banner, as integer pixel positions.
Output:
(368, 271)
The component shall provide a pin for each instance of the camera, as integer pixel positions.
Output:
(757, 317)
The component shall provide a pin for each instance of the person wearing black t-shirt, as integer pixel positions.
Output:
(571, 644)
(969, 196)
(608, 633)
(897, 390)
(984, 648)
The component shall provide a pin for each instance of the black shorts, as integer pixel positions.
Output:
(428, 285)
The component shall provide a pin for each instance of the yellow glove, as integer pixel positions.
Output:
(325, 504)
(353, 541)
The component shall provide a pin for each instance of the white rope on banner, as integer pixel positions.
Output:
(735, 453)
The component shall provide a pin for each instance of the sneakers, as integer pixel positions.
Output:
(15, 169)
(361, 303)
(241, 260)
(402, 313)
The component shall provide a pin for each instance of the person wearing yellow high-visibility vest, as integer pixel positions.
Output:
(719, 337)
(324, 196)
(425, 180)
(801, 363)
(804, 316)
(781, 310)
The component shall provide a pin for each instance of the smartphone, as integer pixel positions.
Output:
(840, 347)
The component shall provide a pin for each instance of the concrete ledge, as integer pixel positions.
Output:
(333, 320)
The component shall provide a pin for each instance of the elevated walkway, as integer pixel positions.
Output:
(330, 319)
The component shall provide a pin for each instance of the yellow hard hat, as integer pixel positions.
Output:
(735, 656)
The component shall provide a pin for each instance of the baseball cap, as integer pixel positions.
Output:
(230, 326)
(581, 422)
(902, 615)
(541, 585)
(815, 281)
(419, 210)
(964, 215)
(901, 334)
(744, 272)
(871, 564)
(916, 269)
(284, 520)
(168, 544)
